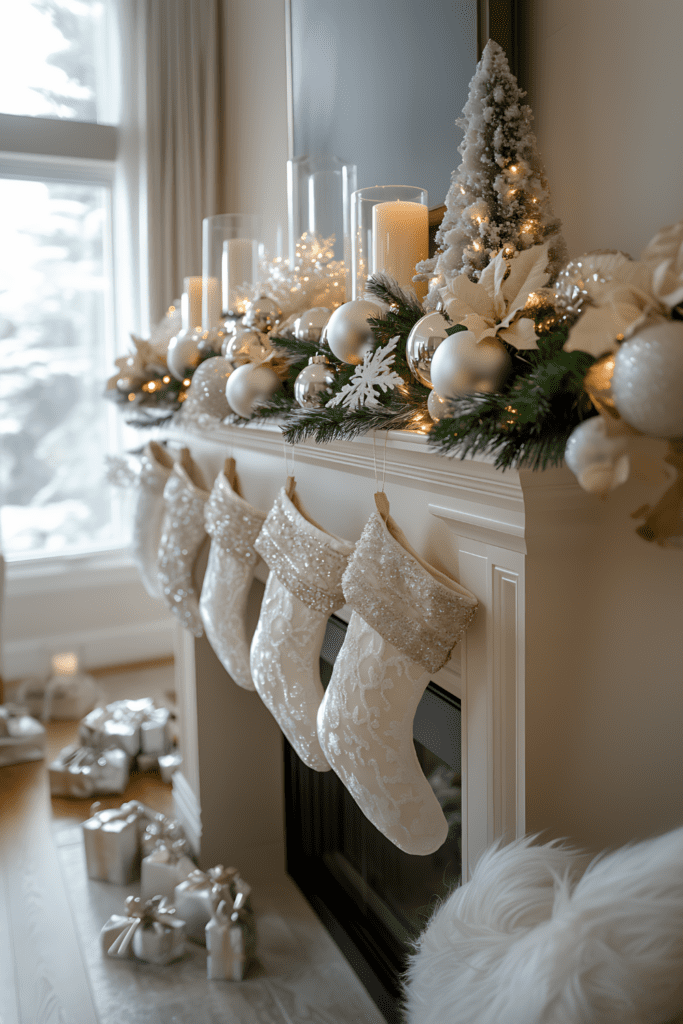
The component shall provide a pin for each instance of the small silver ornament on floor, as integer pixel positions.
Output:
(314, 382)
(248, 346)
(647, 382)
(423, 341)
(206, 393)
(262, 313)
(348, 332)
(250, 386)
(462, 366)
(309, 326)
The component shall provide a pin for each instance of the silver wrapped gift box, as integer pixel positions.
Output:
(164, 868)
(84, 772)
(112, 840)
(136, 726)
(22, 738)
(230, 941)
(149, 931)
(201, 891)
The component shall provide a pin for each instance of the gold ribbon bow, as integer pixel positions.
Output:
(156, 913)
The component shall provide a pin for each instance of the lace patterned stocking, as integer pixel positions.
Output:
(303, 589)
(155, 468)
(183, 533)
(407, 617)
(233, 525)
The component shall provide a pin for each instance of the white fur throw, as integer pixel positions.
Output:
(534, 938)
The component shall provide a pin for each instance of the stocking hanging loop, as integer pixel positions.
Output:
(382, 503)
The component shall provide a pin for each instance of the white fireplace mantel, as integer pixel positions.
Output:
(520, 541)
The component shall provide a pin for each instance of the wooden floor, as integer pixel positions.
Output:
(51, 967)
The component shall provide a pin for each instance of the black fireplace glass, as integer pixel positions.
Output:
(374, 898)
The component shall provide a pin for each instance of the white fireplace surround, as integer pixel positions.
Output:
(515, 539)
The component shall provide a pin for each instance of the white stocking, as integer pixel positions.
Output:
(407, 618)
(183, 534)
(233, 525)
(303, 589)
(155, 468)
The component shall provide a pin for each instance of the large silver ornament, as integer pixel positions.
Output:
(206, 393)
(314, 382)
(309, 326)
(463, 366)
(247, 346)
(647, 382)
(348, 332)
(250, 386)
(262, 313)
(422, 343)
(184, 353)
(598, 461)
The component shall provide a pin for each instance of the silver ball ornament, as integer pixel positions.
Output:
(439, 407)
(184, 353)
(309, 326)
(314, 382)
(250, 386)
(262, 313)
(647, 382)
(247, 346)
(599, 462)
(206, 393)
(463, 366)
(423, 341)
(348, 332)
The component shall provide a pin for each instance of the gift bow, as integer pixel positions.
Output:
(217, 877)
(156, 913)
(164, 832)
(79, 757)
(170, 853)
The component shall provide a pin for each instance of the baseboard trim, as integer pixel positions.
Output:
(97, 648)
(188, 810)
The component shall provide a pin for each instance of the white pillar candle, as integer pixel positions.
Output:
(239, 266)
(211, 303)
(400, 239)
(191, 303)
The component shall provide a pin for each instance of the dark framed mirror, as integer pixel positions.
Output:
(380, 84)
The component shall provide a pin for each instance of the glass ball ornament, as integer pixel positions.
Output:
(184, 353)
(247, 346)
(206, 393)
(250, 386)
(439, 407)
(599, 461)
(314, 382)
(462, 366)
(423, 341)
(348, 332)
(262, 313)
(647, 381)
(309, 326)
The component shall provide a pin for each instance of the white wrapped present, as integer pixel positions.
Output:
(22, 738)
(230, 943)
(83, 772)
(155, 731)
(164, 868)
(150, 931)
(112, 839)
(170, 763)
(136, 726)
(199, 893)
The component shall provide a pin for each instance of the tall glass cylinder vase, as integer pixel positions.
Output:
(318, 195)
(231, 249)
(390, 233)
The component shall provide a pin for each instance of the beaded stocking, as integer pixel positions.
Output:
(406, 619)
(303, 589)
(233, 525)
(183, 533)
(155, 468)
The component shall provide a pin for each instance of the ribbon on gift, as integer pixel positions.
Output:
(114, 819)
(156, 913)
(166, 832)
(172, 853)
(215, 878)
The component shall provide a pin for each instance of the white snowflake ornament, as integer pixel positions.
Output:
(373, 373)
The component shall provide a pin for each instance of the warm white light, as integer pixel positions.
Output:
(64, 664)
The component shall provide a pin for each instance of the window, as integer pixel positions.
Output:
(57, 303)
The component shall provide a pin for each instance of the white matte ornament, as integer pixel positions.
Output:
(348, 332)
(423, 341)
(309, 326)
(314, 383)
(250, 386)
(463, 366)
(207, 390)
(599, 462)
(647, 383)
(183, 353)
(249, 346)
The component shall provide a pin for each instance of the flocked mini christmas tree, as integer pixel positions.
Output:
(499, 197)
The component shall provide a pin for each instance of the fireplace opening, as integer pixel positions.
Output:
(373, 898)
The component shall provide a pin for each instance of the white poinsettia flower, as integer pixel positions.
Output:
(493, 305)
(134, 364)
(634, 292)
